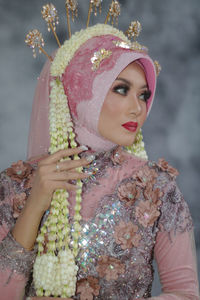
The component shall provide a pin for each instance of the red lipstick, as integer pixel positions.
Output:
(131, 126)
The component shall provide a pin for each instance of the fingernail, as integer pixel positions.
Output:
(90, 158)
(83, 147)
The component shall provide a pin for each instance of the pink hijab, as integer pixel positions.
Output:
(86, 90)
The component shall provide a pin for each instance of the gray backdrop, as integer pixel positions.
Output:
(170, 31)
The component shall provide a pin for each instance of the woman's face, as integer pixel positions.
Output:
(124, 109)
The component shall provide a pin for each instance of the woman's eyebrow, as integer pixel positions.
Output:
(124, 80)
(129, 83)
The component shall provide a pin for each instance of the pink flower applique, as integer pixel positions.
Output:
(110, 267)
(29, 182)
(148, 191)
(118, 156)
(147, 213)
(164, 166)
(18, 204)
(152, 195)
(145, 175)
(126, 236)
(88, 287)
(128, 192)
(156, 194)
(19, 170)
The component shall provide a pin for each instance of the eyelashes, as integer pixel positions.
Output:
(145, 95)
(123, 90)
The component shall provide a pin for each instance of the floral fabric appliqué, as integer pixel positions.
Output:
(147, 213)
(18, 204)
(19, 171)
(88, 287)
(126, 235)
(118, 156)
(128, 192)
(110, 267)
(145, 175)
(164, 166)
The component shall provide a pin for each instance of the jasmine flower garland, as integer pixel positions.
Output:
(138, 148)
(55, 270)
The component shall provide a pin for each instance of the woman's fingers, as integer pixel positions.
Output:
(72, 164)
(53, 158)
(65, 176)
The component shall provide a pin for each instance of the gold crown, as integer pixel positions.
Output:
(49, 13)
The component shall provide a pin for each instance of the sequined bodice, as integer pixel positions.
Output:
(126, 273)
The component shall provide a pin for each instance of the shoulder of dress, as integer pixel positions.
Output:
(162, 166)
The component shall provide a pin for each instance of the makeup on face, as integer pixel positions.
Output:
(130, 126)
(124, 87)
(125, 107)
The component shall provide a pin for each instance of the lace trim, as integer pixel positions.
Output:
(15, 257)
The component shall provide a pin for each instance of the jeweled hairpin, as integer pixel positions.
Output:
(114, 12)
(50, 15)
(35, 40)
(93, 4)
(71, 5)
(98, 57)
(134, 30)
(157, 67)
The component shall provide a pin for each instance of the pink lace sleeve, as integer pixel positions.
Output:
(174, 250)
(15, 261)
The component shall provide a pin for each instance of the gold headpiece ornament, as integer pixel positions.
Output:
(93, 4)
(71, 5)
(50, 15)
(114, 12)
(35, 40)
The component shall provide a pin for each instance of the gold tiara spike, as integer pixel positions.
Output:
(114, 12)
(50, 15)
(96, 4)
(134, 30)
(35, 40)
(71, 5)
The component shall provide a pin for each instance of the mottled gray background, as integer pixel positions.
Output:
(171, 32)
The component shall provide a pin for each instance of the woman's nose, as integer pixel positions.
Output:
(135, 105)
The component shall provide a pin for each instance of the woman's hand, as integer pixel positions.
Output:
(52, 174)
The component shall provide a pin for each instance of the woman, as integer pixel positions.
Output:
(131, 208)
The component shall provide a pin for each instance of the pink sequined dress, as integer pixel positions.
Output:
(132, 212)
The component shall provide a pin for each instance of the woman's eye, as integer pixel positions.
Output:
(122, 90)
(145, 95)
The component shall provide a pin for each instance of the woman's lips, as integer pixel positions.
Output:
(131, 126)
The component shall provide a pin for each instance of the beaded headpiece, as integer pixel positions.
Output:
(57, 242)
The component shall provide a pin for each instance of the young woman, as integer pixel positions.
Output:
(121, 209)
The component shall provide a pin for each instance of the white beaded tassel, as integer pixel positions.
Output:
(55, 269)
